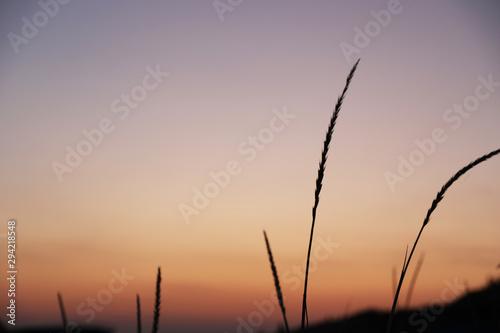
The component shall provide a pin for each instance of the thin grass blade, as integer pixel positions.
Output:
(276, 282)
(138, 301)
(63, 312)
(319, 182)
(156, 314)
(413, 280)
(435, 202)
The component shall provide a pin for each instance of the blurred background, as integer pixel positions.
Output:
(142, 134)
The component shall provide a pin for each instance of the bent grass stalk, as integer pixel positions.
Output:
(439, 197)
(319, 180)
(276, 282)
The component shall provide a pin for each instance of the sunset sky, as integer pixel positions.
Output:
(142, 134)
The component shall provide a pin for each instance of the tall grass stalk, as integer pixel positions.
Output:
(319, 180)
(63, 312)
(439, 197)
(276, 282)
(156, 314)
(138, 301)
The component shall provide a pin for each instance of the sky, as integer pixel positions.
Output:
(135, 135)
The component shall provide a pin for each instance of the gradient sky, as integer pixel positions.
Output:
(229, 74)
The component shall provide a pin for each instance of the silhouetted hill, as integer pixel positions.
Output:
(54, 329)
(477, 312)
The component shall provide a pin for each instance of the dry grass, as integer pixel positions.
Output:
(276, 282)
(138, 301)
(63, 312)
(413, 280)
(156, 311)
(156, 314)
(319, 184)
(435, 202)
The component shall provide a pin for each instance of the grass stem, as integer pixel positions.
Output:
(156, 314)
(319, 183)
(138, 300)
(63, 312)
(276, 282)
(435, 202)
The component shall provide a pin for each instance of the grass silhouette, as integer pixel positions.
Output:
(435, 202)
(156, 311)
(276, 282)
(413, 280)
(138, 302)
(319, 183)
(156, 314)
(63, 312)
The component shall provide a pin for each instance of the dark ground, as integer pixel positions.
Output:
(475, 312)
